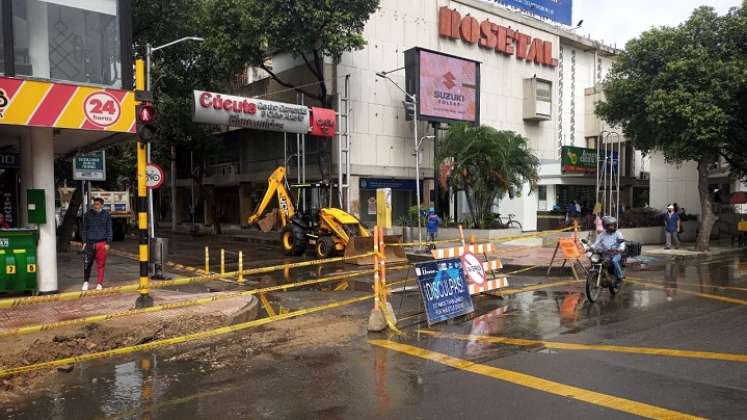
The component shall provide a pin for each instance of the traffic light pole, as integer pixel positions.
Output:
(151, 217)
(144, 300)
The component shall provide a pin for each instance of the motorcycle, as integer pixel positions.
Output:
(601, 273)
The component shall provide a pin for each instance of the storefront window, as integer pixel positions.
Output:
(68, 40)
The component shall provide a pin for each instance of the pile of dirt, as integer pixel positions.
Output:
(92, 338)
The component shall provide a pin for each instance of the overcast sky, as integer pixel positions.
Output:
(617, 21)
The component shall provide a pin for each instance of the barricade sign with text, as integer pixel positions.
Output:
(444, 290)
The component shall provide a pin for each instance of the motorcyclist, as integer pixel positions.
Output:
(611, 242)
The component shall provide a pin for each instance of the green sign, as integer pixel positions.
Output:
(577, 160)
(90, 167)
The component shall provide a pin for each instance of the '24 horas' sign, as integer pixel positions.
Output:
(444, 290)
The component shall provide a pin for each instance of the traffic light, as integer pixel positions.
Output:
(146, 118)
(409, 105)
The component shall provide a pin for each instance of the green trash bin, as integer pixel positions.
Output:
(18, 260)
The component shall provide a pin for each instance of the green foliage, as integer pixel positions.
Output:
(245, 32)
(681, 90)
(487, 164)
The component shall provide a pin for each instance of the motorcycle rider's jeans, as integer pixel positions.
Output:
(617, 266)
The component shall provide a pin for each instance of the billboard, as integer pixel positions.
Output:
(577, 160)
(560, 11)
(447, 87)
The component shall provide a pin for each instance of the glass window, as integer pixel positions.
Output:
(68, 40)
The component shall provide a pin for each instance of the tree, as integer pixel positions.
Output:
(681, 91)
(487, 164)
(249, 32)
(238, 33)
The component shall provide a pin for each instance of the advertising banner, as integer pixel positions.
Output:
(241, 112)
(90, 167)
(60, 105)
(560, 11)
(443, 289)
(577, 160)
(447, 87)
(323, 122)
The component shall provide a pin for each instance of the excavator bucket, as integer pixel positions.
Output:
(361, 245)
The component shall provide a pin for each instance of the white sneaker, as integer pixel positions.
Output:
(85, 286)
(99, 287)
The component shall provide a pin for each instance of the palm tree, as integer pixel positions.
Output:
(487, 164)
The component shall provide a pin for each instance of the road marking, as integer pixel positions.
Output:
(507, 292)
(537, 383)
(726, 299)
(651, 351)
(687, 284)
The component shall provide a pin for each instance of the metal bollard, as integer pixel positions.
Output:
(241, 267)
(207, 260)
(222, 261)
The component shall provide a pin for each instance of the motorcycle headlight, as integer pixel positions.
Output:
(596, 258)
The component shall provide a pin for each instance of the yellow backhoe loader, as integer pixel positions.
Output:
(330, 231)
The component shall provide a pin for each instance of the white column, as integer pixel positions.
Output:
(42, 143)
(38, 38)
(27, 174)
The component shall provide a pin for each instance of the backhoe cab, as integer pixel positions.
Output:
(329, 230)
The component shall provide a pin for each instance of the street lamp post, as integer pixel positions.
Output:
(149, 50)
(414, 100)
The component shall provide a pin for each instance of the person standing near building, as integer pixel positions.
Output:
(97, 235)
(671, 228)
(432, 224)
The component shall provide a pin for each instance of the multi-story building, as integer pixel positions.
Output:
(536, 78)
(65, 88)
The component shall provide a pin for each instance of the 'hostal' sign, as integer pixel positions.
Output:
(491, 36)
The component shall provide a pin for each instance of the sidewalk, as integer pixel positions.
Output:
(717, 249)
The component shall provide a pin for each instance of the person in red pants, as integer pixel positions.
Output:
(96, 233)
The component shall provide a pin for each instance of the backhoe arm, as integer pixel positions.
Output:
(276, 185)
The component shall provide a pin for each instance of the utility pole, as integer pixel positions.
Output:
(144, 300)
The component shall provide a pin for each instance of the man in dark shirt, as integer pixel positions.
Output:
(96, 234)
(672, 226)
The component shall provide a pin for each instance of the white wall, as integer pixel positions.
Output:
(674, 183)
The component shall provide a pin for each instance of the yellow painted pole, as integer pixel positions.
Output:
(241, 267)
(222, 261)
(207, 260)
(144, 300)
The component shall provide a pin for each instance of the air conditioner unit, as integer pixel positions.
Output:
(537, 99)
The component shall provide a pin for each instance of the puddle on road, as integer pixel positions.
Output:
(147, 387)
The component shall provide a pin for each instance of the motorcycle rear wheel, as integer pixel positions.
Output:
(592, 286)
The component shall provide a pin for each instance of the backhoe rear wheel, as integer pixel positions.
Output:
(325, 247)
(293, 240)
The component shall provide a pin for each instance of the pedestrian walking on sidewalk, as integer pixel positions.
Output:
(672, 228)
(97, 235)
(432, 224)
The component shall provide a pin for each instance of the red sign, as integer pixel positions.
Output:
(491, 36)
(323, 122)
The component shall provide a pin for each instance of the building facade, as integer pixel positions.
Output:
(65, 88)
(538, 79)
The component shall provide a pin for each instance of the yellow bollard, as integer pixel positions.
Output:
(207, 260)
(222, 261)
(241, 267)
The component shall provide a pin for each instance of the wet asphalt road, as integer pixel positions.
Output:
(695, 305)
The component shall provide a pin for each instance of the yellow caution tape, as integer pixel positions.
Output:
(153, 345)
(31, 329)
(115, 290)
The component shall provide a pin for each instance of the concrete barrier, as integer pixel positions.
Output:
(654, 235)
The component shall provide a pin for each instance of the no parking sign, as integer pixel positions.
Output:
(154, 176)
